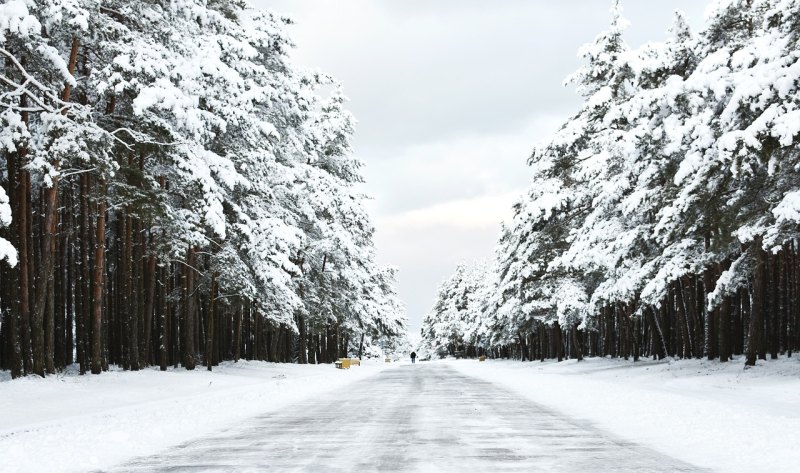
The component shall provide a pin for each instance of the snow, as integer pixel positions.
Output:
(710, 414)
(14, 18)
(54, 56)
(7, 251)
(713, 415)
(5, 209)
(78, 423)
(789, 208)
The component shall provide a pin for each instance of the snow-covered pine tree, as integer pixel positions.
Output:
(453, 325)
(194, 167)
(662, 217)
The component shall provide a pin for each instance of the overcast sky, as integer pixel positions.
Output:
(450, 98)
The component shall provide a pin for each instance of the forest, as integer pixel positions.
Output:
(661, 220)
(174, 191)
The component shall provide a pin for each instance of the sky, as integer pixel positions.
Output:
(451, 96)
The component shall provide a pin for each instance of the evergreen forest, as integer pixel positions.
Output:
(174, 191)
(661, 220)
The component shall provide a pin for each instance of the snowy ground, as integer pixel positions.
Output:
(710, 414)
(79, 423)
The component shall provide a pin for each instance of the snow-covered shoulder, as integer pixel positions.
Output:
(715, 415)
(82, 423)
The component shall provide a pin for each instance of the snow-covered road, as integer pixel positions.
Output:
(424, 417)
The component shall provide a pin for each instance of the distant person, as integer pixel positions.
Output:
(413, 357)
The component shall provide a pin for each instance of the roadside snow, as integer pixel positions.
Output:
(710, 414)
(714, 415)
(79, 423)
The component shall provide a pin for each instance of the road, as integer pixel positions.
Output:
(423, 417)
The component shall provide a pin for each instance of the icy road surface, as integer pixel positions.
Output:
(423, 417)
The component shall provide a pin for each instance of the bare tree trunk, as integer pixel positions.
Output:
(237, 351)
(164, 317)
(723, 330)
(576, 344)
(98, 282)
(522, 345)
(23, 194)
(58, 303)
(150, 282)
(189, 322)
(684, 321)
(302, 338)
(135, 252)
(83, 316)
(175, 312)
(69, 281)
(44, 281)
(274, 333)
(660, 331)
(211, 315)
(14, 316)
(757, 309)
(559, 341)
(775, 306)
(637, 321)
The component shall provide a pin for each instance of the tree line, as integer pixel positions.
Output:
(662, 218)
(175, 191)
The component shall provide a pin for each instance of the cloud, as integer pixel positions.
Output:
(464, 167)
(459, 215)
(442, 203)
(419, 71)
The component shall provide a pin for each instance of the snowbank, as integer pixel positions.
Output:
(711, 414)
(79, 423)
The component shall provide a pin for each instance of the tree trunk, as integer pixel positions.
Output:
(211, 315)
(25, 256)
(44, 281)
(13, 279)
(67, 248)
(559, 341)
(302, 348)
(576, 344)
(757, 309)
(273, 343)
(190, 317)
(164, 318)
(683, 319)
(150, 282)
(98, 281)
(237, 351)
(137, 291)
(660, 332)
(724, 329)
(83, 314)
(775, 306)
(523, 349)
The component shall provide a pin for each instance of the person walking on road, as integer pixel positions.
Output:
(413, 357)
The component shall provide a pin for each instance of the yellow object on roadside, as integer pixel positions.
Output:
(346, 363)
